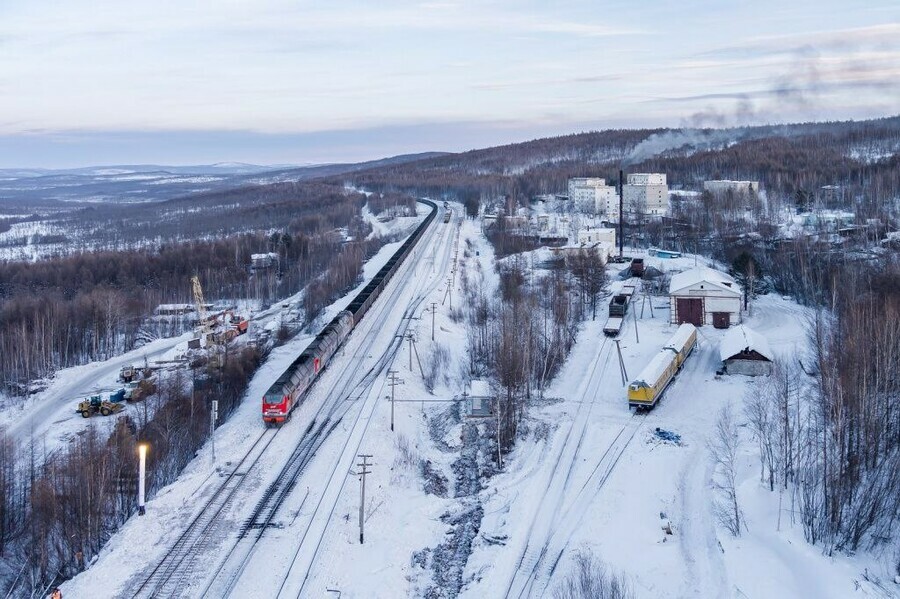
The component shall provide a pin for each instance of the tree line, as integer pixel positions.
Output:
(57, 510)
(65, 311)
(521, 335)
(829, 429)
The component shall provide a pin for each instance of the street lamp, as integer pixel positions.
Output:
(142, 474)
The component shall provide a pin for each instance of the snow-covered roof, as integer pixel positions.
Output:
(681, 336)
(703, 274)
(479, 388)
(741, 338)
(652, 371)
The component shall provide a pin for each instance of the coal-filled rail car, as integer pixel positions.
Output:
(646, 390)
(290, 388)
(286, 392)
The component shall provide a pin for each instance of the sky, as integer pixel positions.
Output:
(86, 82)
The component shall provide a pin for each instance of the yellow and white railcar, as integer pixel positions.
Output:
(682, 342)
(646, 390)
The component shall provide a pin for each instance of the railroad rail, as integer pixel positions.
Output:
(172, 576)
(169, 576)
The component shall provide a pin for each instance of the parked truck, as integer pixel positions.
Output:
(127, 373)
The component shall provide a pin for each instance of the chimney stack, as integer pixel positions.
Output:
(621, 212)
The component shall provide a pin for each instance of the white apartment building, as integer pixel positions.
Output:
(720, 186)
(593, 195)
(646, 194)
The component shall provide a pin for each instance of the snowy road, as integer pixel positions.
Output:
(50, 415)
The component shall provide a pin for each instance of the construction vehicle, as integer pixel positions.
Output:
(241, 326)
(96, 403)
(205, 333)
(139, 390)
(127, 373)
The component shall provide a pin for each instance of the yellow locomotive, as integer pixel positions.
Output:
(648, 387)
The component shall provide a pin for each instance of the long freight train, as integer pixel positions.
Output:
(645, 391)
(291, 387)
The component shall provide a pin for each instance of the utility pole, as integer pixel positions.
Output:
(637, 339)
(409, 338)
(433, 311)
(213, 417)
(621, 364)
(449, 292)
(393, 381)
(363, 471)
(412, 341)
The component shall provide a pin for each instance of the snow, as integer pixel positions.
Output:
(741, 338)
(681, 336)
(654, 370)
(702, 274)
(586, 473)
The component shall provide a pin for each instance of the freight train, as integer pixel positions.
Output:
(646, 390)
(288, 391)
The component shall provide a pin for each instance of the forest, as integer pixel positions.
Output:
(91, 305)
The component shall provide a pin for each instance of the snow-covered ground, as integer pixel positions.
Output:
(587, 474)
(568, 491)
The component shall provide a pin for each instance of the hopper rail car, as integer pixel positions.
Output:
(291, 387)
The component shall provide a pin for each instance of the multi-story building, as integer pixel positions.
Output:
(593, 195)
(720, 186)
(646, 194)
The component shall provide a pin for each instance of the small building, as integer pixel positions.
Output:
(744, 351)
(479, 401)
(593, 235)
(705, 296)
(262, 261)
(721, 186)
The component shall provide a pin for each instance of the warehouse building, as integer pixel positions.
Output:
(705, 296)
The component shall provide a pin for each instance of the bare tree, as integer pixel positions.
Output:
(591, 579)
(723, 448)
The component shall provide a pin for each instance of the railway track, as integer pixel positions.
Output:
(172, 574)
(554, 522)
(537, 574)
(338, 404)
(324, 509)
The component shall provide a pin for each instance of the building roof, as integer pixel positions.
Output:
(680, 338)
(480, 388)
(653, 370)
(703, 274)
(741, 338)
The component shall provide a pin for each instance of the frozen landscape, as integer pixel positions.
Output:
(449, 300)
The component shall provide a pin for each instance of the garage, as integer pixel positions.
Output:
(705, 296)
(690, 310)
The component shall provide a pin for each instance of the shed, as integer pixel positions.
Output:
(702, 296)
(744, 351)
(479, 401)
